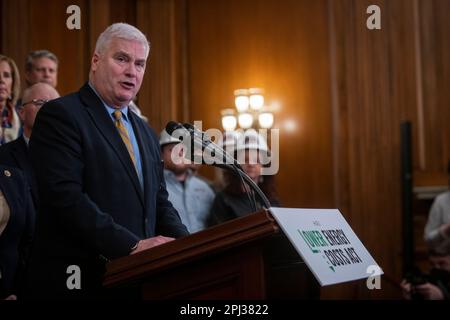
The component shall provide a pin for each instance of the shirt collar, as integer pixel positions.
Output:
(110, 110)
(27, 140)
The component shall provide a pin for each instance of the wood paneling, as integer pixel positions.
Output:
(434, 147)
(381, 78)
(31, 25)
(373, 81)
(15, 31)
(161, 96)
(99, 17)
(279, 46)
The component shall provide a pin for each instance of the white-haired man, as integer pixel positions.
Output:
(99, 172)
(16, 153)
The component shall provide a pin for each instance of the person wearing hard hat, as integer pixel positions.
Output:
(190, 195)
(251, 150)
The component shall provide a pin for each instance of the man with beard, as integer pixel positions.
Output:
(189, 194)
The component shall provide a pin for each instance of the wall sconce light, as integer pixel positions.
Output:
(266, 120)
(245, 120)
(241, 100)
(251, 112)
(256, 98)
(229, 121)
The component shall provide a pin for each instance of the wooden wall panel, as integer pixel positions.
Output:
(381, 78)
(434, 147)
(33, 25)
(161, 97)
(374, 90)
(69, 45)
(99, 17)
(1, 26)
(279, 46)
(15, 31)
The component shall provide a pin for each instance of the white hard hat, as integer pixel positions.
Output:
(229, 140)
(165, 138)
(252, 140)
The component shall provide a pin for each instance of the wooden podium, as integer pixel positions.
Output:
(246, 258)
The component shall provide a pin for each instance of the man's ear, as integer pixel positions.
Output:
(21, 113)
(27, 76)
(95, 60)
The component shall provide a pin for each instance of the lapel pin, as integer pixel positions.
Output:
(7, 173)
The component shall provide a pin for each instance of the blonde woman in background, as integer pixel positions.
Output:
(9, 93)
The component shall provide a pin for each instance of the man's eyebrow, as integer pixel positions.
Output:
(118, 53)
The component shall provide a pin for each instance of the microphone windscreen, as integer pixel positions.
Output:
(172, 126)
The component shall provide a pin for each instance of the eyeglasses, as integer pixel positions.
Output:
(36, 102)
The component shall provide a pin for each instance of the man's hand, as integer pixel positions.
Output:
(150, 243)
(406, 289)
(430, 291)
(445, 230)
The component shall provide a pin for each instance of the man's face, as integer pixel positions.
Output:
(33, 102)
(5, 80)
(117, 72)
(173, 156)
(43, 70)
(251, 165)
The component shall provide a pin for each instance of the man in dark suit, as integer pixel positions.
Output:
(15, 153)
(17, 219)
(99, 173)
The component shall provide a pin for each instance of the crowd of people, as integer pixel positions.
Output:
(434, 285)
(84, 178)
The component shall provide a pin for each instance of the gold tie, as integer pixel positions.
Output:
(124, 134)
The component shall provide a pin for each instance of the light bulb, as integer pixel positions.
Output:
(266, 120)
(256, 98)
(229, 122)
(241, 100)
(245, 120)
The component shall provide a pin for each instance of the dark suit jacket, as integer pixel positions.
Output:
(92, 207)
(16, 238)
(15, 154)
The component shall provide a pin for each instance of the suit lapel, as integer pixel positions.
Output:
(105, 125)
(20, 153)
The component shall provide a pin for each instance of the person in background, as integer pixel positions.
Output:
(15, 153)
(435, 285)
(437, 229)
(233, 201)
(9, 94)
(41, 66)
(133, 107)
(17, 219)
(190, 195)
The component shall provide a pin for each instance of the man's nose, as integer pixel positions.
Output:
(131, 70)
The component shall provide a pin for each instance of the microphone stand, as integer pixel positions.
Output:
(236, 167)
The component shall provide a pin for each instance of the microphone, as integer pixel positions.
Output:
(200, 139)
(209, 145)
(171, 126)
